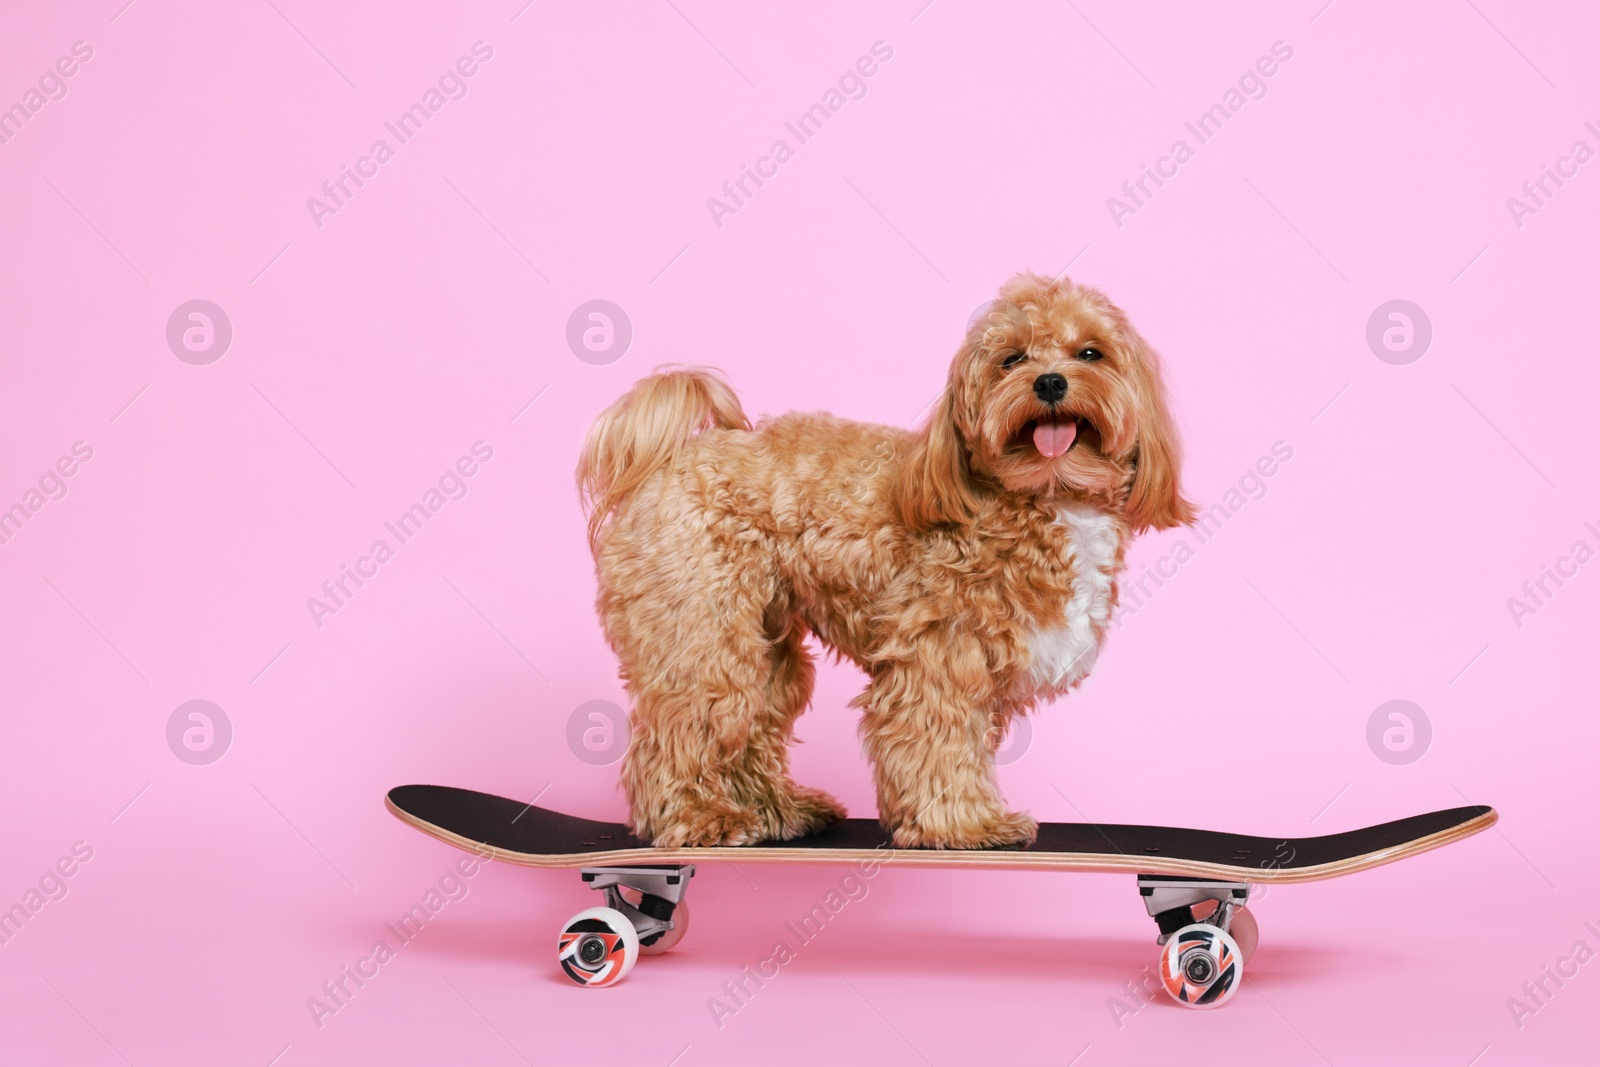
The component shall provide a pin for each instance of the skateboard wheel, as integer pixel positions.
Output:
(1246, 934)
(680, 926)
(1242, 927)
(598, 947)
(1201, 966)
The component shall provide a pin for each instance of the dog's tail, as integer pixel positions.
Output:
(643, 431)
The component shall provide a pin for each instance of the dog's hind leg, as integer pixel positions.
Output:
(691, 723)
(678, 768)
(787, 810)
(684, 614)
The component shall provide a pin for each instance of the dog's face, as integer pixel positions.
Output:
(1053, 394)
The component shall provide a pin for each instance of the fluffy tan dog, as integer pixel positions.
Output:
(969, 570)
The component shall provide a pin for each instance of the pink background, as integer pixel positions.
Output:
(369, 353)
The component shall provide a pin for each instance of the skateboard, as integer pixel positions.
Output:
(1194, 883)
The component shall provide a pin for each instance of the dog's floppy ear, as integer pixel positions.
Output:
(934, 486)
(1155, 500)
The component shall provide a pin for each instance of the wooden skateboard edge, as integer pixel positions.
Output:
(980, 859)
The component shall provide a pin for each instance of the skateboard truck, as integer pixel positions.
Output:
(1171, 901)
(1203, 949)
(661, 890)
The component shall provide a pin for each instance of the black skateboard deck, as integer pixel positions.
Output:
(516, 832)
(1195, 884)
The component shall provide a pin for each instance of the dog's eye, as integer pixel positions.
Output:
(1013, 359)
(1090, 355)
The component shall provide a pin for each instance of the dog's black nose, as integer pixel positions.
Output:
(1051, 388)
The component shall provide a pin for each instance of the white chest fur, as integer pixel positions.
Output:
(1063, 654)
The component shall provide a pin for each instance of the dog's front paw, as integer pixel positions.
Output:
(1009, 829)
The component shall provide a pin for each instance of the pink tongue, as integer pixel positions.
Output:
(1054, 438)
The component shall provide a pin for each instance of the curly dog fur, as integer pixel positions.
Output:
(969, 570)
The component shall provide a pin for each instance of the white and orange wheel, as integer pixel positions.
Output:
(680, 926)
(1242, 926)
(598, 947)
(1244, 931)
(1201, 966)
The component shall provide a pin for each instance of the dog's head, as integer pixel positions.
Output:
(1053, 394)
